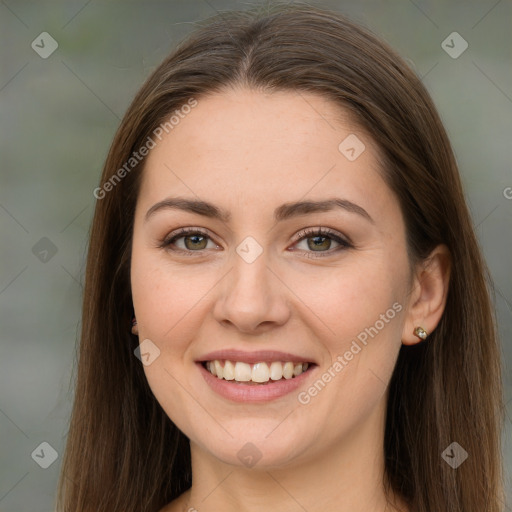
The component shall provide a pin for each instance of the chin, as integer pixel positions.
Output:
(256, 449)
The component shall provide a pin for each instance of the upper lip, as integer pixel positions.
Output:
(254, 357)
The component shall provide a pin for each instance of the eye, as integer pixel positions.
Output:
(194, 240)
(319, 240)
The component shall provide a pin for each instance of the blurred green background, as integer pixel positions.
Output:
(58, 117)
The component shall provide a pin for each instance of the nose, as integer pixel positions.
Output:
(252, 299)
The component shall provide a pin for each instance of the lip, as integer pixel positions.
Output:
(254, 393)
(258, 356)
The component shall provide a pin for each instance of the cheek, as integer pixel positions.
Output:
(167, 303)
(351, 297)
(169, 299)
(360, 314)
(367, 323)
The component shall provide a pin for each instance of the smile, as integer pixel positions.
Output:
(258, 373)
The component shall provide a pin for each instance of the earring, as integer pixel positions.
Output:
(421, 333)
(135, 329)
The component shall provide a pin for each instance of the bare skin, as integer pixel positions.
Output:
(248, 153)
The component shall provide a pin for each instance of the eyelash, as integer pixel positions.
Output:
(302, 235)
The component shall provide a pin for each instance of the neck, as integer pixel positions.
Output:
(345, 478)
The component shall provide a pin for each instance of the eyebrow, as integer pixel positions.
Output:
(283, 212)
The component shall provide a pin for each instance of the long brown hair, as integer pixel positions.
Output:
(123, 453)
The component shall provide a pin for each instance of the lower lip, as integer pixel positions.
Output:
(253, 392)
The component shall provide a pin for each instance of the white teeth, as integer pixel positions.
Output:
(288, 370)
(229, 371)
(218, 369)
(243, 372)
(258, 373)
(276, 371)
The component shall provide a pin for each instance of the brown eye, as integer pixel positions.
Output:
(194, 240)
(320, 241)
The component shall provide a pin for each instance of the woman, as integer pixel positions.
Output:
(224, 363)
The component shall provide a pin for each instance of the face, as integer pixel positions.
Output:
(256, 280)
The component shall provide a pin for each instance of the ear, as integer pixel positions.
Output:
(135, 327)
(428, 296)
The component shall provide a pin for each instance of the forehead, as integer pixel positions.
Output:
(256, 147)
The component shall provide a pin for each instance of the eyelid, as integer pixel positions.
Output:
(323, 231)
(189, 230)
(183, 233)
(343, 240)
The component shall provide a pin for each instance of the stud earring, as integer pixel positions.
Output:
(135, 329)
(421, 333)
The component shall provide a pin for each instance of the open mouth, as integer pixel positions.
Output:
(261, 373)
